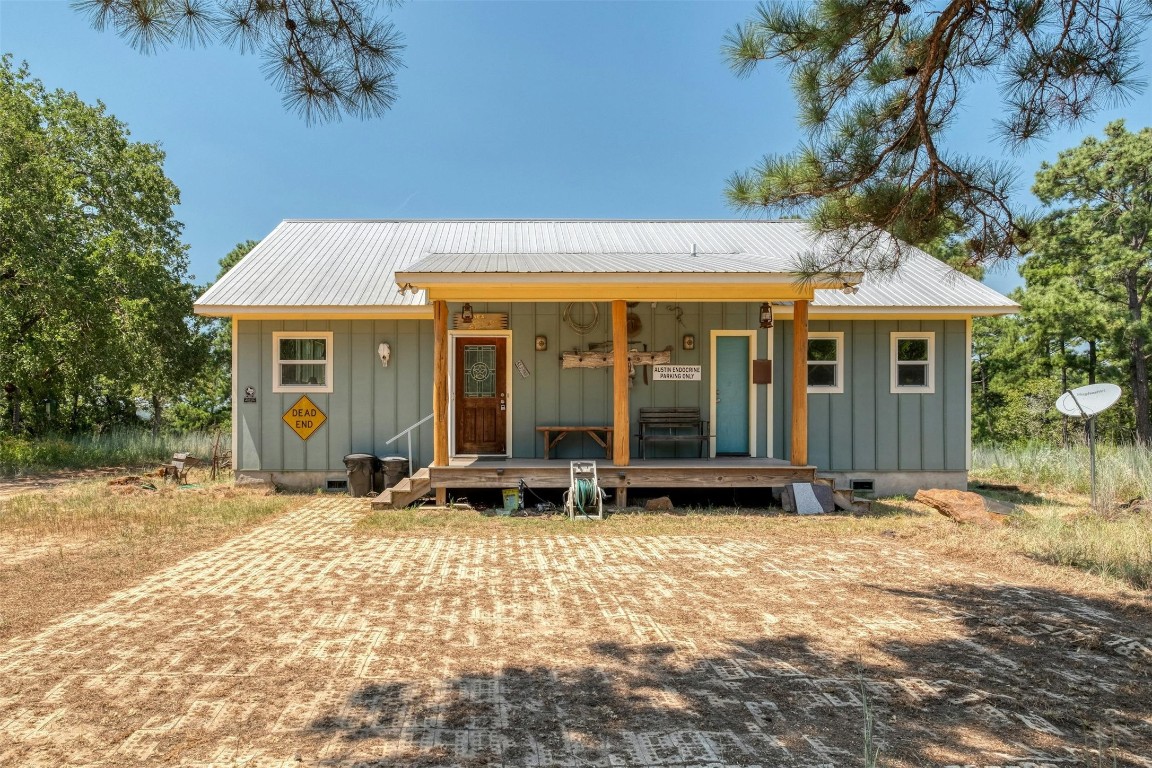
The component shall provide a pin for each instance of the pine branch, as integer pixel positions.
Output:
(329, 58)
(879, 82)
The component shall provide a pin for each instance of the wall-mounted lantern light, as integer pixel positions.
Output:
(466, 315)
(765, 315)
(541, 343)
(689, 341)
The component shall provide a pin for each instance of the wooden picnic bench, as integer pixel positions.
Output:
(672, 424)
(177, 469)
(602, 436)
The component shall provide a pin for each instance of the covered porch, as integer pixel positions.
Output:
(466, 279)
(725, 472)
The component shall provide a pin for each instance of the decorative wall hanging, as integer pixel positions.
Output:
(481, 321)
(583, 323)
(604, 359)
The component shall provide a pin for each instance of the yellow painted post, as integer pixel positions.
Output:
(440, 391)
(800, 383)
(620, 436)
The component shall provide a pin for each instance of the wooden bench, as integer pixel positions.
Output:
(602, 436)
(177, 469)
(672, 425)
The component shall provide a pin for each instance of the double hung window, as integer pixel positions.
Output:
(913, 362)
(302, 361)
(825, 362)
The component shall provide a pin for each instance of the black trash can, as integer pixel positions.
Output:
(395, 469)
(361, 467)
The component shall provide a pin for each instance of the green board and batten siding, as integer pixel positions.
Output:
(368, 404)
(553, 396)
(864, 429)
(867, 428)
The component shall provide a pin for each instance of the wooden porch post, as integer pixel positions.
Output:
(440, 391)
(620, 437)
(799, 383)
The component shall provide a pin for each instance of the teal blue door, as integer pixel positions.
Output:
(732, 384)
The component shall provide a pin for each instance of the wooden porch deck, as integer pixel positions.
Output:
(641, 473)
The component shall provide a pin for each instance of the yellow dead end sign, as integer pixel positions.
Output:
(304, 418)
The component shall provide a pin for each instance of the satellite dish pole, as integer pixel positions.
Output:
(1087, 402)
(1090, 428)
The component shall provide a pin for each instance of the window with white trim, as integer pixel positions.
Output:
(913, 362)
(302, 361)
(825, 362)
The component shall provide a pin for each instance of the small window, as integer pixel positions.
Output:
(913, 363)
(825, 362)
(302, 362)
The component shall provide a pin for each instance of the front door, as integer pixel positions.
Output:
(481, 395)
(732, 389)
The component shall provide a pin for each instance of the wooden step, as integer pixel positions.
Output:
(405, 492)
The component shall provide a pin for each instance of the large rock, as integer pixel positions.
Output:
(966, 507)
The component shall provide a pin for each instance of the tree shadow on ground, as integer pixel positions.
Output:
(983, 676)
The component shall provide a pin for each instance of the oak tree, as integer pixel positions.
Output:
(94, 295)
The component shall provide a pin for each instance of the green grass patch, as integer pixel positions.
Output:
(1115, 546)
(20, 455)
(1114, 541)
(1123, 472)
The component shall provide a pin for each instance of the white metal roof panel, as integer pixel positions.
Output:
(350, 264)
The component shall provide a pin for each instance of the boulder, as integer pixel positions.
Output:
(966, 507)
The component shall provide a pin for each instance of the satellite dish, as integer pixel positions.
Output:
(1087, 401)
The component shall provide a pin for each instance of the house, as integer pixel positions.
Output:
(465, 340)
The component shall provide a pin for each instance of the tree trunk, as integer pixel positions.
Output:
(1092, 362)
(156, 412)
(1063, 388)
(987, 405)
(1139, 363)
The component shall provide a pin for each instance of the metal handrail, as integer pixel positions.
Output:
(412, 466)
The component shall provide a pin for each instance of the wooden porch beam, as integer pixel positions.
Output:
(440, 391)
(799, 455)
(620, 437)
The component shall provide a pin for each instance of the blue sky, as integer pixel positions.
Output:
(506, 109)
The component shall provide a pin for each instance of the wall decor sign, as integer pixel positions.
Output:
(249, 394)
(676, 373)
(304, 418)
(523, 369)
(481, 321)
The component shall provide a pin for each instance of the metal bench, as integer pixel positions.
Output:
(672, 424)
(177, 469)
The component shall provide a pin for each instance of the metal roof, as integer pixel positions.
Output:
(345, 266)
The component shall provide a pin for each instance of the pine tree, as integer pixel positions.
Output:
(879, 82)
(328, 57)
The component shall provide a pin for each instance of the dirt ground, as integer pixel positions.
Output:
(306, 642)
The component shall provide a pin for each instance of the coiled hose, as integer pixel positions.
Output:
(584, 495)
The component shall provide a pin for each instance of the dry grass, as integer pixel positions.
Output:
(1058, 525)
(64, 549)
(712, 521)
(1047, 531)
